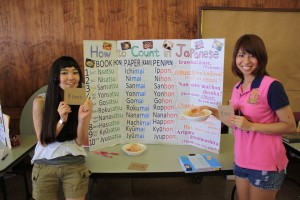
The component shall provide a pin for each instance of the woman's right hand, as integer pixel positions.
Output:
(63, 110)
(215, 112)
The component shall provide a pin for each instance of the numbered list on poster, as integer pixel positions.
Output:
(141, 88)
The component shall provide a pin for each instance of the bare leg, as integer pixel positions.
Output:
(80, 198)
(242, 188)
(260, 194)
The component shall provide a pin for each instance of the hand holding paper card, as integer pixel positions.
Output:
(74, 96)
(225, 111)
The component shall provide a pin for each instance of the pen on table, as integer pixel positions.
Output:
(113, 153)
(4, 156)
(105, 155)
(105, 152)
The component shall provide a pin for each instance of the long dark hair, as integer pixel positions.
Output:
(54, 96)
(254, 45)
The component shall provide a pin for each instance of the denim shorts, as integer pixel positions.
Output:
(267, 180)
(46, 180)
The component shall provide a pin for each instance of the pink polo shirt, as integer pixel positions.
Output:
(257, 150)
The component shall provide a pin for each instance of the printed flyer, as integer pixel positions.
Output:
(140, 89)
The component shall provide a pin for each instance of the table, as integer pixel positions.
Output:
(15, 156)
(293, 146)
(162, 160)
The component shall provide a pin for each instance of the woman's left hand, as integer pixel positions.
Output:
(240, 122)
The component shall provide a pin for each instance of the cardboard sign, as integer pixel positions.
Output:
(225, 111)
(138, 166)
(74, 96)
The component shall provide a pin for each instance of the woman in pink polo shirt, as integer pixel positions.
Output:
(262, 115)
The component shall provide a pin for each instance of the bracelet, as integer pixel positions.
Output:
(61, 122)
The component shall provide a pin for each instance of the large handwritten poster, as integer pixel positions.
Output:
(141, 87)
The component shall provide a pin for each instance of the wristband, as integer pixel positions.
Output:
(61, 122)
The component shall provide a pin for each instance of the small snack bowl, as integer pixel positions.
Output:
(196, 114)
(134, 149)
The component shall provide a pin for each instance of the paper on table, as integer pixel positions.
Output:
(138, 166)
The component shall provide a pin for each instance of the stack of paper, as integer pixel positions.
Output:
(291, 138)
(199, 163)
(4, 129)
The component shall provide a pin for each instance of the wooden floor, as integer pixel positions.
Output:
(179, 188)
